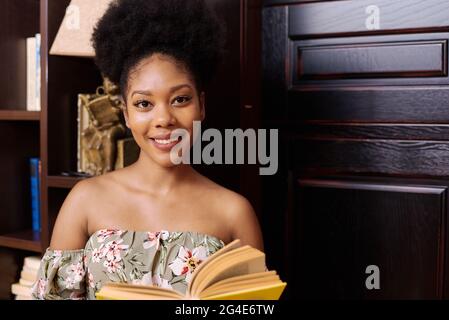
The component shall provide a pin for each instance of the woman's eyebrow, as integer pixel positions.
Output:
(172, 89)
(176, 88)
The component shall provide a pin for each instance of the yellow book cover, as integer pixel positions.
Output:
(234, 272)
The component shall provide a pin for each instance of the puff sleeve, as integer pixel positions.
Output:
(61, 276)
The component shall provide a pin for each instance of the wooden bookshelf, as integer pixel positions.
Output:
(24, 240)
(20, 130)
(19, 115)
(62, 181)
(50, 134)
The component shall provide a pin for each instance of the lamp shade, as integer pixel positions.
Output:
(74, 34)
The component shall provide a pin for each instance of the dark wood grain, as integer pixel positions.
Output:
(19, 115)
(250, 88)
(24, 240)
(285, 2)
(395, 226)
(45, 226)
(387, 60)
(349, 17)
(419, 59)
(396, 157)
(62, 182)
(18, 20)
(275, 219)
(20, 142)
(329, 131)
(223, 94)
(275, 189)
(274, 61)
(370, 104)
(62, 95)
(62, 108)
(19, 130)
(11, 263)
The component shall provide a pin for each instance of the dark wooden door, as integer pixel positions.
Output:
(360, 92)
(233, 97)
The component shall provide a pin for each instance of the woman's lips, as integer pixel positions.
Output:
(164, 146)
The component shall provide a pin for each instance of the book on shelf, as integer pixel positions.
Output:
(32, 262)
(33, 45)
(28, 276)
(31, 70)
(35, 172)
(38, 72)
(20, 290)
(25, 282)
(234, 272)
(20, 297)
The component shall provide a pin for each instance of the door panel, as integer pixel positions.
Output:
(402, 59)
(333, 17)
(346, 226)
(363, 113)
(394, 157)
(391, 104)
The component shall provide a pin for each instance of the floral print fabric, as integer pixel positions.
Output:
(165, 259)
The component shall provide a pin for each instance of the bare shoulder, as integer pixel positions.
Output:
(243, 219)
(70, 230)
(239, 215)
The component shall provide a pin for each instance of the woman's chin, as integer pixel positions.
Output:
(167, 164)
(164, 161)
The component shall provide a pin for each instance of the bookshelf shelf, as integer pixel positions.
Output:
(24, 240)
(19, 115)
(62, 182)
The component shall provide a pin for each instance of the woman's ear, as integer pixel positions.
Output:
(203, 105)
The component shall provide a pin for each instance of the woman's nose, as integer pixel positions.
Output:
(163, 116)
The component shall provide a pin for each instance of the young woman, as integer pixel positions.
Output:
(152, 222)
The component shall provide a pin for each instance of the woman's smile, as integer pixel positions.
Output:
(165, 144)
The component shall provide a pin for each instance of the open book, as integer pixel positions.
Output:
(234, 272)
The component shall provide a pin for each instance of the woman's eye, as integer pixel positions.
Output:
(181, 100)
(143, 104)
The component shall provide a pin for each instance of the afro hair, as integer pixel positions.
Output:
(131, 30)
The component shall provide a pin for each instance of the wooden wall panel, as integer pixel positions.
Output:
(371, 106)
(419, 59)
(334, 17)
(13, 33)
(343, 226)
(390, 157)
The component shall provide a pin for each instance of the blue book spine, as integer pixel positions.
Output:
(35, 194)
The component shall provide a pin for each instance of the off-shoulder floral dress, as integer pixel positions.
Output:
(164, 259)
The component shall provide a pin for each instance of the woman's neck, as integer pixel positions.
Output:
(160, 180)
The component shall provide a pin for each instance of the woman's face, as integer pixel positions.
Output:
(161, 97)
